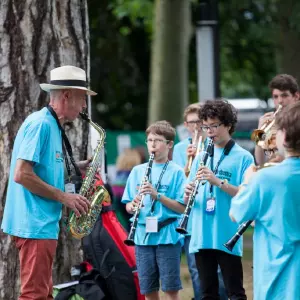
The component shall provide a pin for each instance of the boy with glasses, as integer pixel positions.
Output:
(158, 245)
(271, 198)
(211, 225)
(185, 149)
(181, 154)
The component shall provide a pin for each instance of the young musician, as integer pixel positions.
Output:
(271, 198)
(36, 190)
(211, 225)
(285, 91)
(186, 149)
(157, 249)
(183, 152)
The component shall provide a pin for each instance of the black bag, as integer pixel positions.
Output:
(105, 251)
(90, 287)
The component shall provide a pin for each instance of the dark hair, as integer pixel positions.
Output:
(221, 109)
(288, 121)
(163, 128)
(284, 82)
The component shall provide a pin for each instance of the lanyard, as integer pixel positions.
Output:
(225, 152)
(65, 145)
(157, 186)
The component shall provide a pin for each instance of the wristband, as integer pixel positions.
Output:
(223, 183)
(158, 196)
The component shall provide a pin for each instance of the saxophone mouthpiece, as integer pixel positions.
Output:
(84, 116)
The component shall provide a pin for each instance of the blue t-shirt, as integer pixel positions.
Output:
(272, 199)
(28, 215)
(179, 153)
(211, 231)
(170, 186)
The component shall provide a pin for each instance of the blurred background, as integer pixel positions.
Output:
(147, 59)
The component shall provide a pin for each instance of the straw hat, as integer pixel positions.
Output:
(67, 77)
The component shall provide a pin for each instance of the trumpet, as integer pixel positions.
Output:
(262, 136)
(182, 228)
(130, 239)
(198, 149)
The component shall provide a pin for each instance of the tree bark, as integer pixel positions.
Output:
(288, 37)
(36, 36)
(169, 61)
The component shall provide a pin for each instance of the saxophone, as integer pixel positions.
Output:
(83, 225)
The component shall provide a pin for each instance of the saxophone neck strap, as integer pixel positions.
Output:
(66, 146)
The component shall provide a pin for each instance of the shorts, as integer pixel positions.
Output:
(158, 263)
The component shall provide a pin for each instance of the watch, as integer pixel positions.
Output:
(223, 183)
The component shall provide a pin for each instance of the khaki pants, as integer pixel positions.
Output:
(36, 260)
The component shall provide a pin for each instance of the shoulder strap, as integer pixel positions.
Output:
(229, 146)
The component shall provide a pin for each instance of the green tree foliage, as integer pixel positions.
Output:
(258, 39)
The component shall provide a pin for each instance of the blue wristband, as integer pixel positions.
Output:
(158, 196)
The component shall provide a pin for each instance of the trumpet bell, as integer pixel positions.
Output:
(257, 135)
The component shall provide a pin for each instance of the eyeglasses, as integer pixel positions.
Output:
(193, 122)
(156, 141)
(212, 127)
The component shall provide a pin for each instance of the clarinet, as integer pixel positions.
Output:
(130, 239)
(242, 228)
(182, 228)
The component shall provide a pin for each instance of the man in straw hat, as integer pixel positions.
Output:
(36, 190)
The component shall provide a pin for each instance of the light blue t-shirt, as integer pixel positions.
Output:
(179, 153)
(27, 215)
(211, 231)
(171, 185)
(272, 199)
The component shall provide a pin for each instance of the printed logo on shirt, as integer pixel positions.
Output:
(59, 156)
(162, 189)
(224, 174)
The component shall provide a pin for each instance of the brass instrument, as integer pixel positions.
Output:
(130, 239)
(83, 225)
(198, 149)
(182, 227)
(263, 135)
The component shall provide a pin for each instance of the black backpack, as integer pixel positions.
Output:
(105, 250)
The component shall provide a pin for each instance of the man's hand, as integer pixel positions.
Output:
(79, 204)
(205, 173)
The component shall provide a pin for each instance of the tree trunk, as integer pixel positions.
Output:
(169, 65)
(288, 38)
(36, 36)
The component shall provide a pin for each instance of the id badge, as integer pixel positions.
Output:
(210, 205)
(151, 224)
(70, 188)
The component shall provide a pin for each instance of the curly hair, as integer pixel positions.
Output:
(288, 121)
(221, 109)
(163, 128)
(284, 82)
